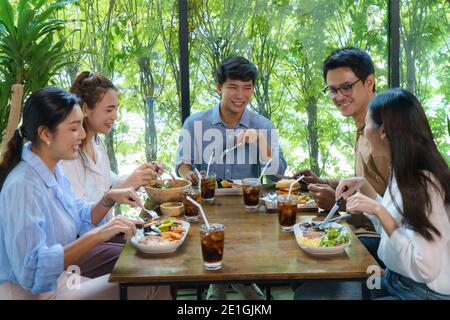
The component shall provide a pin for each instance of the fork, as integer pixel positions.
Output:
(337, 219)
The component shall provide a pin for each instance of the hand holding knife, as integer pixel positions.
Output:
(335, 208)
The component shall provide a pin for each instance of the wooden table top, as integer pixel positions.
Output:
(255, 249)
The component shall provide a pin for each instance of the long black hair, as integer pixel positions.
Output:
(46, 107)
(413, 152)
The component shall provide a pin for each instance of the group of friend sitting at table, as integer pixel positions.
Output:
(57, 191)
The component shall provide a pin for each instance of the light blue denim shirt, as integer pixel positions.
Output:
(39, 215)
(205, 131)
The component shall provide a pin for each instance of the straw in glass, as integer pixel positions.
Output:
(201, 210)
(292, 184)
(264, 169)
(209, 163)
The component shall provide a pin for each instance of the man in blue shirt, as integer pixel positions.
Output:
(207, 134)
(229, 124)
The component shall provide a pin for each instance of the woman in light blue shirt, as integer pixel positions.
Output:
(40, 217)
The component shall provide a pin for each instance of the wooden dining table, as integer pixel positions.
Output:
(255, 251)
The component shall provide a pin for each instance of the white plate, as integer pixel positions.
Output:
(321, 251)
(159, 248)
(311, 204)
(228, 191)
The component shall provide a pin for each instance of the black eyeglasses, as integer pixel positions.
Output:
(345, 89)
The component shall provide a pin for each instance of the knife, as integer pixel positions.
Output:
(334, 209)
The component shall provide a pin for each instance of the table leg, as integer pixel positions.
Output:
(123, 292)
(199, 293)
(268, 293)
(365, 292)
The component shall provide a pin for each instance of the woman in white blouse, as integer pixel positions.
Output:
(90, 173)
(413, 216)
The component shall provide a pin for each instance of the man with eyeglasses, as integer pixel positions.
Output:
(350, 77)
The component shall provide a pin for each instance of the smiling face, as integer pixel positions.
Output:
(356, 104)
(67, 137)
(101, 118)
(376, 136)
(236, 95)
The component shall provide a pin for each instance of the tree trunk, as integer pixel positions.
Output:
(109, 140)
(410, 65)
(148, 96)
(14, 113)
(313, 143)
(151, 138)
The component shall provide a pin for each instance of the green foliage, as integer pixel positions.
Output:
(135, 43)
(28, 52)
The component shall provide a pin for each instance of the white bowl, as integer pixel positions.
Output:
(321, 251)
(159, 248)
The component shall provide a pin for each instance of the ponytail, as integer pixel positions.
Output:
(12, 156)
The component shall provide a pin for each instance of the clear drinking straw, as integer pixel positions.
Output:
(201, 210)
(292, 184)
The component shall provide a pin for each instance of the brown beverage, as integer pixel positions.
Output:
(212, 241)
(208, 186)
(287, 212)
(251, 190)
(191, 211)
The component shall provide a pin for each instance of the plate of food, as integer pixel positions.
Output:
(331, 240)
(228, 187)
(161, 236)
(305, 201)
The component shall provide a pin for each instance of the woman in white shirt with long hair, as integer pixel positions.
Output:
(413, 216)
(90, 173)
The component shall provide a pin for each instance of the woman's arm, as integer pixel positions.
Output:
(354, 184)
(111, 197)
(388, 223)
(359, 203)
(76, 249)
(141, 176)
